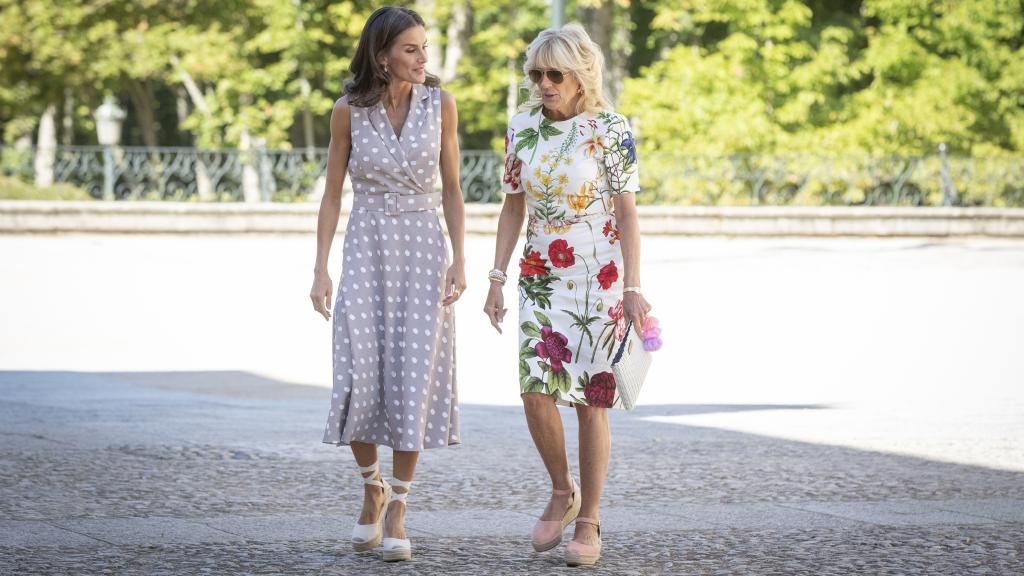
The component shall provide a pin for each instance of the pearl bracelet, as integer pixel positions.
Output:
(497, 276)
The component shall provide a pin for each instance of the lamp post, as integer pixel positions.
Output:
(109, 117)
(557, 13)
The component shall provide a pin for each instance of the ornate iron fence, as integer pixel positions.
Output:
(819, 180)
(139, 173)
(746, 179)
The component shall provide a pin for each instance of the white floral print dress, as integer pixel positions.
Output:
(570, 275)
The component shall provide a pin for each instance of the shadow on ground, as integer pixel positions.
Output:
(123, 472)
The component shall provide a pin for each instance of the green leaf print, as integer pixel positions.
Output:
(530, 329)
(547, 130)
(535, 385)
(526, 350)
(609, 340)
(604, 339)
(584, 380)
(583, 324)
(527, 139)
(536, 289)
(544, 320)
(524, 369)
(544, 366)
(566, 382)
(560, 381)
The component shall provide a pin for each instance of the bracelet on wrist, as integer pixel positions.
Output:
(632, 289)
(498, 276)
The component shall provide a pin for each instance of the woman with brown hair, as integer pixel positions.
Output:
(570, 166)
(394, 328)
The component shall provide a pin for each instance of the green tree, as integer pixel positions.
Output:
(879, 77)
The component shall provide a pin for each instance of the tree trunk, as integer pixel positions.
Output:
(599, 22)
(142, 99)
(250, 160)
(46, 147)
(512, 99)
(204, 191)
(428, 10)
(191, 87)
(304, 89)
(643, 54)
(68, 118)
(181, 109)
(307, 119)
(458, 33)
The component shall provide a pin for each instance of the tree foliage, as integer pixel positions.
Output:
(702, 76)
(877, 77)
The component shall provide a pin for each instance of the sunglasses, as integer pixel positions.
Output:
(555, 76)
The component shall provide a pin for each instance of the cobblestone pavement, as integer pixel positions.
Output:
(145, 473)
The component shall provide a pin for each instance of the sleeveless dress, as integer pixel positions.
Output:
(570, 275)
(394, 343)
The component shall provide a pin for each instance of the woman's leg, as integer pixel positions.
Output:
(373, 496)
(545, 425)
(405, 467)
(595, 451)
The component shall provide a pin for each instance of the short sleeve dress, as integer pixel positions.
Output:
(570, 274)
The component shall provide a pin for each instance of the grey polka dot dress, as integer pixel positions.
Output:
(394, 343)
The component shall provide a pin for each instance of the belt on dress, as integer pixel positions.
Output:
(394, 203)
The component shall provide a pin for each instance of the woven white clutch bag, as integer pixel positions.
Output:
(630, 367)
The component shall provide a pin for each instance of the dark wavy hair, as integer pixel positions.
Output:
(369, 81)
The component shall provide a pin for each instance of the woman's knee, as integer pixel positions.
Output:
(533, 401)
(589, 414)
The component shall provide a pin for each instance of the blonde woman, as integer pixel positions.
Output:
(570, 167)
(394, 325)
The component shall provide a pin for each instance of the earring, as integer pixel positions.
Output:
(386, 69)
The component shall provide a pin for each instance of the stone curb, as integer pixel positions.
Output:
(30, 217)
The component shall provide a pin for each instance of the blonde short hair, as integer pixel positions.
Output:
(568, 49)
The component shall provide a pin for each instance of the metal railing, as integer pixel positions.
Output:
(190, 174)
(139, 173)
(823, 180)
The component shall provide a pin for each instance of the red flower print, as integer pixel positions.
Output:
(533, 265)
(561, 254)
(552, 347)
(612, 232)
(600, 391)
(608, 275)
(513, 169)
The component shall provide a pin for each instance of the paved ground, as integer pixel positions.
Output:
(153, 473)
(819, 408)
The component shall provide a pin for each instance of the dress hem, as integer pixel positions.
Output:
(340, 443)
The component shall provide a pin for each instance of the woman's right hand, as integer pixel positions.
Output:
(494, 307)
(320, 294)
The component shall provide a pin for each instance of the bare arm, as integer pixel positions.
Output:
(330, 205)
(634, 305)
(451, 194)
(510, 224)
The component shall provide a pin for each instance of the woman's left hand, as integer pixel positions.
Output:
(454, 283)
(635, 308)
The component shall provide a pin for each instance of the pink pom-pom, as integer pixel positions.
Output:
(652, 344)
(650, 322)
(651, 333)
